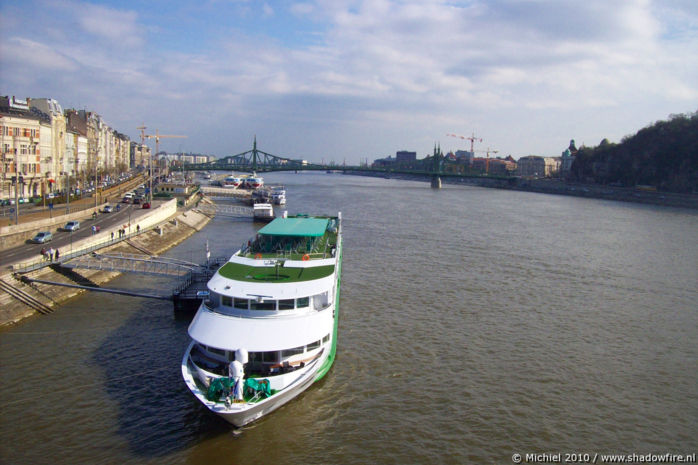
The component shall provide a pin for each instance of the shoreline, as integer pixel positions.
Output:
(44, 298)
(559, 187)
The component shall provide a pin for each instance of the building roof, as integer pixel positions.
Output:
(297, 227)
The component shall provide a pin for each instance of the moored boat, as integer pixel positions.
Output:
(278, 195)
(252, 182)
(263, 212)
(269, 327)
(231, 181)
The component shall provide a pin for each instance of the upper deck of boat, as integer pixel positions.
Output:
(307, 241)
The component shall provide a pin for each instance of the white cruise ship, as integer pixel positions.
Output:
(269, 327)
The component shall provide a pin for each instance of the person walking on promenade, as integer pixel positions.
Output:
(112, 235)
(43, 253)
(138, 228)
(58, 254)
(50, 254)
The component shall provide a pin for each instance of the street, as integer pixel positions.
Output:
(62, 240)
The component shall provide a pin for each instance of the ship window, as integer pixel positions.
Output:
(263, 305)
(290, 352)
(325, 339)
(213, 350)
(286, 304)
(303, 302)
(227, 301)
(314, 345)
(241, 303)
(270, 357)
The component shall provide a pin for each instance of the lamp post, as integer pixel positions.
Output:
(67, 193)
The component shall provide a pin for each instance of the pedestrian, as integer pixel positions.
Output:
(112, 235)
(94, 230)
(58, 254)
(43, 253)
(50, 254)
(138, 228)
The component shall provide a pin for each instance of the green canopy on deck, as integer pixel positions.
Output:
(297, 227)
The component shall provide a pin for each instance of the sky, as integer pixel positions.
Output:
(354, 80)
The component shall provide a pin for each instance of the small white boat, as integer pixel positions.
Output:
(268, 329)
(278, 195)
(263, 212)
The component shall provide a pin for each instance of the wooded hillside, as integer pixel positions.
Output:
(663, 155)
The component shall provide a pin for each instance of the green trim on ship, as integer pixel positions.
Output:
(330, 358)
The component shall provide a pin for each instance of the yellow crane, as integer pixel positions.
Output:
(157, 136)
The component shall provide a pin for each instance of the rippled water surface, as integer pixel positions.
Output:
(474, 324)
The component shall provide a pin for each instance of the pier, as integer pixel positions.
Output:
(37, 286)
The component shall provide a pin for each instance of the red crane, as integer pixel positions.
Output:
(472, 140)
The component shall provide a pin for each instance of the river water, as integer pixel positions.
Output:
(474, 324)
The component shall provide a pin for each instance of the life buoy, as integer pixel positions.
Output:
(258, 256)
(306, 257)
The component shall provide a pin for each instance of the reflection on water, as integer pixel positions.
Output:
(474, 324)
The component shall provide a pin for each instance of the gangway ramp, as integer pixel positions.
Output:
(232, 211)
(132, 263)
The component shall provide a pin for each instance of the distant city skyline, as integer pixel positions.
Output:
(353, 80)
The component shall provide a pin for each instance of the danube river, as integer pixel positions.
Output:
(474, 324)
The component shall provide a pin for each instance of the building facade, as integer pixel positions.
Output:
(45, 149)
(537, 166)
(403, 156)
(23, 135)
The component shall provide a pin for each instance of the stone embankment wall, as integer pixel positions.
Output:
(558, 187)
(169, 233)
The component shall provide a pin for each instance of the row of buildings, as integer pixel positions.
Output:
(45, 149)
(466, 162)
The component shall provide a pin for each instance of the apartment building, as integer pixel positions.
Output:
(24, 135)
(537, 166)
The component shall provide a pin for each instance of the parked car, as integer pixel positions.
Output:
(146, 205)
(43, 236)
(107, 209)
(71, 226)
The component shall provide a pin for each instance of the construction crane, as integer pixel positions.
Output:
(472, 139)
(157, 136)
(487, 163)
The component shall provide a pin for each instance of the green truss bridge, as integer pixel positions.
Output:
(256, 160)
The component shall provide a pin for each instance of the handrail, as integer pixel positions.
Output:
(32, 265)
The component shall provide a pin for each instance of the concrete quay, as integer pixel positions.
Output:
(161, 228)
(556, 187)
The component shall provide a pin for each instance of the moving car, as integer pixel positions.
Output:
(43, 236)
(71, 226)
(107, 209)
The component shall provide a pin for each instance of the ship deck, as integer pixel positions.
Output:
(288, 239)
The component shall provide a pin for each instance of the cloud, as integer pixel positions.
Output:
(436, 62)
(109, 24)
(27, 52)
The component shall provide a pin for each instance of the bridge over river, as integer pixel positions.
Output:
(255, 160)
